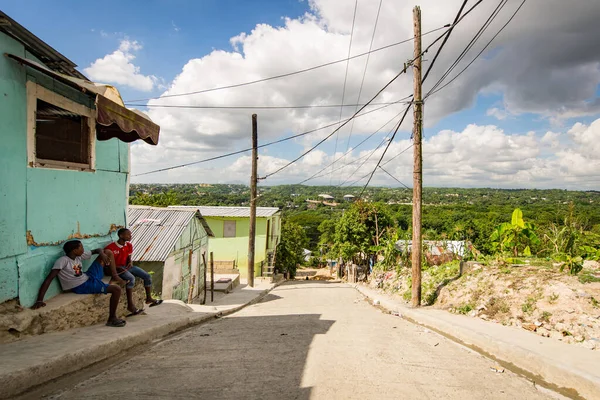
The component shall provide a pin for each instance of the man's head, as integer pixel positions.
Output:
(73, 248)
(124, 234)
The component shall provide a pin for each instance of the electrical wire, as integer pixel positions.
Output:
(446, 36)
(348, 120)
(263, 145)
(316, 174)
(289, 73)
(470, 45)
(362, 83)
(192, 106)
(432, 92)
(345, 80)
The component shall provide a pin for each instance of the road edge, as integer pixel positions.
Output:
(514, 358)
(20, 382)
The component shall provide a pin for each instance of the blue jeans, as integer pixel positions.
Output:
(134, 271)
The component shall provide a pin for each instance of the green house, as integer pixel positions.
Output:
(231, 227)
(64, 160)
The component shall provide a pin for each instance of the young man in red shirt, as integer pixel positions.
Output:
(122, 251)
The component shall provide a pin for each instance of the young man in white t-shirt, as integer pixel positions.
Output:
(69, 270)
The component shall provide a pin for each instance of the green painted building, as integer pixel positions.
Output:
(231, 226)
(64, 160)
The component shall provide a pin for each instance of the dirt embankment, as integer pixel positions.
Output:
(536, 298)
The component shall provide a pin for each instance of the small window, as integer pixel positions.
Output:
(61, 132)
(228, 229)
(61, 135)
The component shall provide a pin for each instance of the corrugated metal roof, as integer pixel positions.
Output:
(48, 55)
(155, 230)
(218, 211)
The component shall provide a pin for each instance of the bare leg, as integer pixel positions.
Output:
(113, 269)
(130, 303)
(115, 295)
(149, 298)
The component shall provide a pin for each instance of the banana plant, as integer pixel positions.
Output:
(514, 235)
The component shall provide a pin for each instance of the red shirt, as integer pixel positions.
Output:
(121, 252)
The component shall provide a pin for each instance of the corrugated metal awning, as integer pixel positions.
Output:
(113, 120)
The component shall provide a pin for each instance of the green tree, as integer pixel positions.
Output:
(170, 198)
(515, 235)
(359, 230)
(290, 250)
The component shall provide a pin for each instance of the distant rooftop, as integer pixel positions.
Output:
(326, 196)
(243, 212)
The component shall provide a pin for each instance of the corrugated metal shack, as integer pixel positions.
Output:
(170, 243)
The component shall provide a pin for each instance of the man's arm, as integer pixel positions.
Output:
(44, 288)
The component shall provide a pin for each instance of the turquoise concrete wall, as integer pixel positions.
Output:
(52, 204)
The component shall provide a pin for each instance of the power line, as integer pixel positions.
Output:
(192, 106)
(393, 177)
(481, 52)
(447, 35)
(289, 73)
(470, 45)
(365, 70)
(262, 145)
(336, 130)
(316, 175)
(446, 38)
(387, 162)
(386, 149)
(345, 80)
(348, 120)
(372, 152)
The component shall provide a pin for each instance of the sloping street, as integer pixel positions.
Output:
(306, 339)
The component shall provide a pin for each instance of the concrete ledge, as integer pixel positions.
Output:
(64, 311)
(36, 360)
(567, 369)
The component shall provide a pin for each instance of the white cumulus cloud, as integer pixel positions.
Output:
(118, 68)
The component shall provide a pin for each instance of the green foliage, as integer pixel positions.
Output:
(517, 235)
(588, 277)
(163, 199)
(360, 228)
(529, 306)
(553, 298)
(465, 308)
(391, 256)
(290, 250)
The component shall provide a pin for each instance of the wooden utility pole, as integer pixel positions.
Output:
(205, 266)
(418, 163)
(212, 277)
(251, 234)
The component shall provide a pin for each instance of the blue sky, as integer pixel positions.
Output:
(183, 46)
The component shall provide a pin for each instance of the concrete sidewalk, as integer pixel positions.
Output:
(38, 359)
(567, 369)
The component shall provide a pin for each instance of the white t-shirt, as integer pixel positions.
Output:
(71, 272)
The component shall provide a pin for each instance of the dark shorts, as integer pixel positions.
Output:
(94, 284)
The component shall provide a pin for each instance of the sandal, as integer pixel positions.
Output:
(136, 312)
(116, 323)
(155, 303)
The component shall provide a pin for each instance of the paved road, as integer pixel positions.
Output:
(306, 340)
